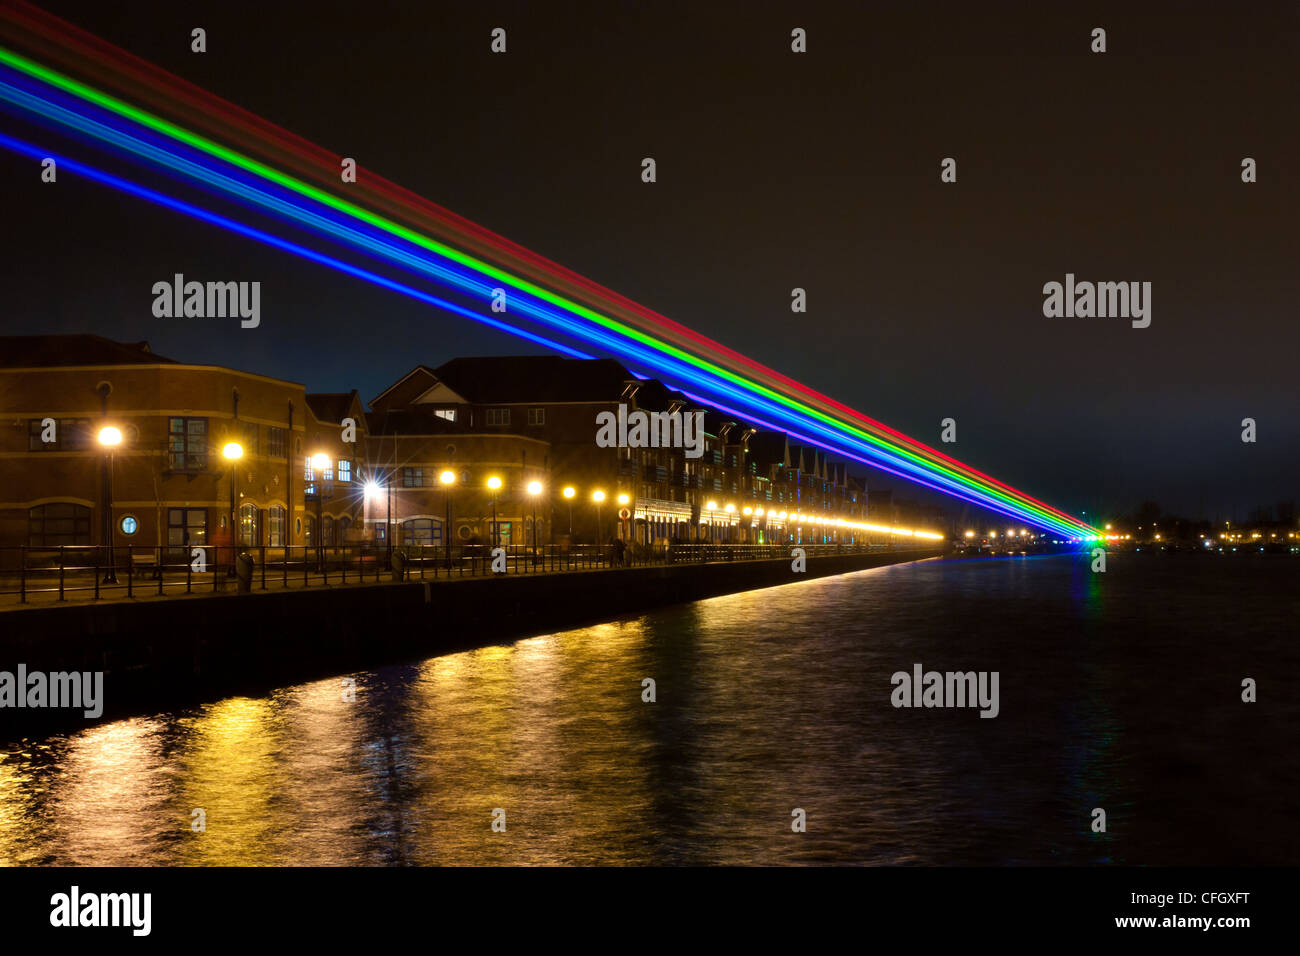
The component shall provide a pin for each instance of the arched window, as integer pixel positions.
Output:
(309, 530)
(327, 530)
(250, 526)
(275, 526)
(344, 525)
(422, 532)
(58, 523)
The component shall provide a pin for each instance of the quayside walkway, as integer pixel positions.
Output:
(36, 577)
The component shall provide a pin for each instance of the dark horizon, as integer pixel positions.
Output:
(776, 171)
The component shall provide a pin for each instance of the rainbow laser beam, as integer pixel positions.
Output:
(137, 147)
(67, 44)
(987, 492)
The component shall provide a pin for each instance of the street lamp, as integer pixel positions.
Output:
(495, 484)
(598, 497)
(109, 438)
(447, 479)
(569, 492)
(534, 489)
(623, 522)
(232, 451)
(320, 463)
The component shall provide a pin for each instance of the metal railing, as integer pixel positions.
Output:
(92, 572)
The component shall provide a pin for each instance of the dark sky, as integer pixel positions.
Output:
(777, 170)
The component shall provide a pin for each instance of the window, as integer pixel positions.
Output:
(345, 525)
(327, 531)
(186, 528)
(58, 523)
(69, 434)
(421, 532)
(275, 526)
(128, 525)
(308, 472)
(250, 526)
(448, 413)
(412, 477)
(309, 531)
(537, 416)
(187, 444)
(345, 470)
(275, 446)
(327, 473)
(498, 416)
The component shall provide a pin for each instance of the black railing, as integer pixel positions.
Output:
(93, 572)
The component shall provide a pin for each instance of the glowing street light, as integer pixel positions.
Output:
(232, 451)
(569, 492)
(447, 479)
(598, 496)
(109, 437)
(494, 483)
(534, 489)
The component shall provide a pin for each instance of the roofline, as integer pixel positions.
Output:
(144, 366)
(418, 368)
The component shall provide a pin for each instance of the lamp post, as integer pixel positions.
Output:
(569, 492)
(534, 489)
(232, 451)
(598, 496)
(494, 483)
(447, 479)
(622, 503)
(319, 463)
(109, 438)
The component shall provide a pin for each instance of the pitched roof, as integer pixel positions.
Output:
(332, 407)
(533, 378)
(49, 351)
(411, 421)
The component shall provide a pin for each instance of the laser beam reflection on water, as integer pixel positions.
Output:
(765, 701)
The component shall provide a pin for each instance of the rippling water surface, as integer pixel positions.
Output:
(1119, 691)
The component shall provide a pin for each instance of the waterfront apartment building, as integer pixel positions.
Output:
(104, 441)
(438, 456)
(742, 487)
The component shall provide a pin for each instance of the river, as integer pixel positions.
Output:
(1120, 691)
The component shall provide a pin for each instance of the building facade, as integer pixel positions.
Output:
(477, 451)
(104, 442)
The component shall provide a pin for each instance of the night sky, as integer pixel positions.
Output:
(776, 170)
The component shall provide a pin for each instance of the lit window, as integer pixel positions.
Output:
(447, 413)
(187, 444)
(129, 525)
(345, 470)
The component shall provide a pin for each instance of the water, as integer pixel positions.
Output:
(1120, 691)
